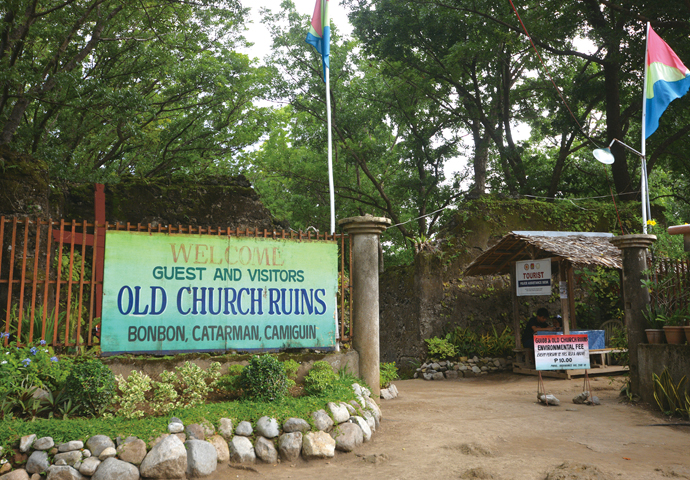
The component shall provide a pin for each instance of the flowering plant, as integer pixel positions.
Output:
(30, 366)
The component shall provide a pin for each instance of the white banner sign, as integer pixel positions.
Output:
(533, 277)
(561, 352)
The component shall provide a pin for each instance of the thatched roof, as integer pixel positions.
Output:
(580, 248)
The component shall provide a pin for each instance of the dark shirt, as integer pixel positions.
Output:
(528, 334)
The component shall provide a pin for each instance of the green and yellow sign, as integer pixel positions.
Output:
(181, 293)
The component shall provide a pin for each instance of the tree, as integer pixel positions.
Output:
(102, 88)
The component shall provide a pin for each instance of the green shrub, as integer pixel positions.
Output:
(440, 348)
(320, 378)
(133, 392)
(231, 382)
(264, 379)
(387, 373)
(291, 368)
(91, 386)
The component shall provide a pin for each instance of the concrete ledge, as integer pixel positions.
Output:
(654, 358)
(154, 366)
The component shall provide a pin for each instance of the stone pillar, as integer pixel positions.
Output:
(635, 295)
(365, 232)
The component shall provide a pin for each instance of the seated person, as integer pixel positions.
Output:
(538, 323)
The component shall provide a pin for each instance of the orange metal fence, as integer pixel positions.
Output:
(51, 276)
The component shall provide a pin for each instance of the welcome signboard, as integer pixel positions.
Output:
(169, 293)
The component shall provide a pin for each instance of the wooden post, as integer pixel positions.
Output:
(571, 294)
(562, 276)
(516, 309)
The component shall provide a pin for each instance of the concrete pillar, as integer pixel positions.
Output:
(635, 295)
(365, 232)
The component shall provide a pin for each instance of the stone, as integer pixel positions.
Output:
(44, 443)
(107, 453)
(267, 427)
(386, 394)
(71, 446)
(89, 466)
(318, 445)
(209, 429)
(195, 432)
(322, 421)
(202, 458)
(428, 376)
(176, 427)
(476, 369)
(595, 400)
(26, 442)
(98, 443)
(19, 474)
(86, 453)
(226, 429)
(339, 412)
(37, 462)
(485, 369)
(36, 476)
(366, 431)
(64, 473)
(265, 450)
(374, 408)
(132, 452)
(348, 437)
(167, 459)
(394, 390)
(437, 376)
(549, 399)
(241, 450)
(114, 469)
(296, 425)
(61, 463)
(70, 458)
(221, 446)
(290, 446)
(244, 429)
(350, 408)
(581, 398)
(5, 467)
(371, 421)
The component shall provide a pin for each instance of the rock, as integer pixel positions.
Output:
(595, 400)
(265, 450)
(26, 442)
(386, 394)
(366, 431)
(109, 452)
(371, 421)
(322, 421)
(549, 399)
(348, 437)
(350, 408)
(86, 453)
(267, 427)
(296, 425)
(339, 413)
(241, 450)
(71, 446)
(451, 374)
(290, 446)
(244, 429)
(19, 474)
(435, 366)
(437, 376)
(428, 376)
(374, 408)
(318, 445)
(89, 466)
(61, 463)
(497, 363)
(462, 368)
(64, 473)
(581, 398)
(114, 469)
(175, 427)
(38, 462)
(476, 369)
(5, 467)
(221, 447)
(167, 459)
(70, 458)
(36, 476)
(209, 429)
(98, 443)
(195, 432)
(202, 458)
(133, 451)
(226, 429)
(44, 443)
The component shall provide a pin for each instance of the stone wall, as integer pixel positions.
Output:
(654, 358)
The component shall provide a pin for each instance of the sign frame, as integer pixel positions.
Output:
(533, 277)
(561, 352)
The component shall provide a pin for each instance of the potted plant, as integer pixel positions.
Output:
(656, 319)
(674, 328)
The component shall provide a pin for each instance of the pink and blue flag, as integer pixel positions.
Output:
(319, 34)
(667, 79)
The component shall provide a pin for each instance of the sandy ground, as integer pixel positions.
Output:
(492, 427)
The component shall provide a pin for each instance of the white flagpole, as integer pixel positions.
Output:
(643, 174)
(330, 151)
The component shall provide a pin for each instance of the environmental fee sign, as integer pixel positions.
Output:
(561, 352)
(176, 293)
(533, 277)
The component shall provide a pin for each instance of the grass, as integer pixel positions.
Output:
(149, 428)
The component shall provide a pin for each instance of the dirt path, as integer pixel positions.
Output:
(440, 430)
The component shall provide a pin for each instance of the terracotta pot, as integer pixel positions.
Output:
(654, 335)
(674, 335)
(687, 333)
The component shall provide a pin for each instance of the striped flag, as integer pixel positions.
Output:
(319, 34)
(666, 79)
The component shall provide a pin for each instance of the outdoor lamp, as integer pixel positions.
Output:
(605, 156)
